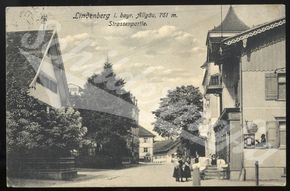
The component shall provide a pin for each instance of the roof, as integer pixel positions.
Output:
(165, 146)
(144, 132)
(25, 51)
(231, 23)
(255, 31)
(197, 139)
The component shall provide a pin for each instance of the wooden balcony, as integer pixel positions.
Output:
(215, 85)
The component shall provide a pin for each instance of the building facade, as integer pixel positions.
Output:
(211, 108)
(262, 98)
(74, 89)
(214, 95)
(252, 88)
(145, 145)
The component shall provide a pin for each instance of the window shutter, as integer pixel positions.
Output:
(272, 134)
(271, 86)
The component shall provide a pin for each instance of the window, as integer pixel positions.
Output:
(275, 86)
(45, 81)
(281, 86)
(272, 134)
(276, 133)
(145, 150)
(91, 151)
(145, 140)
(282, 134)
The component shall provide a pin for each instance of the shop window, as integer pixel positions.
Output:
(274, 137)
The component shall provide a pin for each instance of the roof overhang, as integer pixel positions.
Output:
(161, 151)
(254, 31)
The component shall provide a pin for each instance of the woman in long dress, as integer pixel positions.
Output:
(177, 172)
(186, 172)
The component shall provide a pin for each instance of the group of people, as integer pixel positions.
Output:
(183, 169)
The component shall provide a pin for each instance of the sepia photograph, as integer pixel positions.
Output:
(146, 96)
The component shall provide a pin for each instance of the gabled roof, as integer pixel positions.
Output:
(144, 132)
(164, 146)
(231, 23)
(25, 51)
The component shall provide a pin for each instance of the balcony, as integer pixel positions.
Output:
(215, 85)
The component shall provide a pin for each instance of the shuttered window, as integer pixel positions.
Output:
(282, 86)
(282, 133)
(272, 134)
(271, 89)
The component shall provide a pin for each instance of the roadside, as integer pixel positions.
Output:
(143, 175)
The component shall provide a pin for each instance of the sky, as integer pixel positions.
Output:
(152, 59)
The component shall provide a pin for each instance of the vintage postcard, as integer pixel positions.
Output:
(146, 96)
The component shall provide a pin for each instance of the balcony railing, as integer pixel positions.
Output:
(215, 84)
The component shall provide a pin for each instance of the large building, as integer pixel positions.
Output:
(252, 97)
(212, 80)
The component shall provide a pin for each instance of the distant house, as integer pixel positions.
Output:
(74, 89)
(165, 151)
(34, 59)
(145, 145)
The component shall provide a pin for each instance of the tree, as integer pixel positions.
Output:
(31, 130)
(179, 111)
(109, 82)
(105, 129)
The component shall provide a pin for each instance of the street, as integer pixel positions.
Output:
(143, 175)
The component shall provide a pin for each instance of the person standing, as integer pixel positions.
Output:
(213, 160)
(195, 176)
(196, 158)
(186, 172)
(177, 172)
